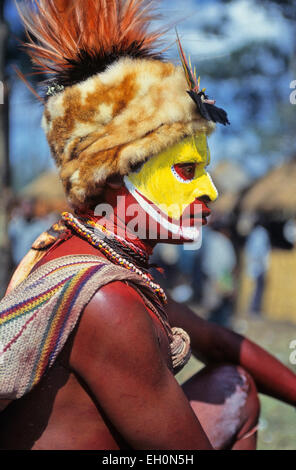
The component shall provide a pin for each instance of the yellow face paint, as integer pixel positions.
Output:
(161, 181)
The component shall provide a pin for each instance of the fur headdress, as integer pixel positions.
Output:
(112, 101)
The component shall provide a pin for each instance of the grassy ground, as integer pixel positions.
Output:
(278, 421)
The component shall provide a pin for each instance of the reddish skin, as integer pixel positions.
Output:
(112, 386)
(121, 201)
(271, 377)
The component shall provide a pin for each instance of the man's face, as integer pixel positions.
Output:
(165, 201)
(175, 178)
(168, 187)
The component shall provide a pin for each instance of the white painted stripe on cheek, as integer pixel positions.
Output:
(191, 233)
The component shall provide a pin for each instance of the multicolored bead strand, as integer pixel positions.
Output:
(110, 253)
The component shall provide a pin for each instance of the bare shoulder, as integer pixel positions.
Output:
(117, 354)
(115, 326)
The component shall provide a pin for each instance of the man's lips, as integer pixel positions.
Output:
(197, 210)
(206, 211)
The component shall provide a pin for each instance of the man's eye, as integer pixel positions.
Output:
(185, 171)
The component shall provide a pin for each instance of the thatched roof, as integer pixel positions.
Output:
(229, 177)
(48, 191)
(226, 203)
(46, 187)
(275, 193)
(230, 180)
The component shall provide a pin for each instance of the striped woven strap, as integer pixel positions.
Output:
(38, 316)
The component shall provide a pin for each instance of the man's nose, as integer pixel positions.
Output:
(206, 188)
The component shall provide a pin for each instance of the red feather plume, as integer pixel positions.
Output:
(75, 39)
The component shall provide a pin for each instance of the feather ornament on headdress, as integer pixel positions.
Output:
(206, 107)
(74, 40)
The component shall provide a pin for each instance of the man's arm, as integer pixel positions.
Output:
(116, 352)
(214, 344)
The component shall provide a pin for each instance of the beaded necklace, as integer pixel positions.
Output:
(97, 240)
(117, 242)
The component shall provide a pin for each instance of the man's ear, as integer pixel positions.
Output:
(115, 182)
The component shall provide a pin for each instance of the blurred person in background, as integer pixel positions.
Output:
(28, 219)
(190, 265)
(257, 250)
(218, 265)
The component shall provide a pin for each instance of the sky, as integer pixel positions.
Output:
(247, 21)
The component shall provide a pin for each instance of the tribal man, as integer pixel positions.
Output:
(90, 342)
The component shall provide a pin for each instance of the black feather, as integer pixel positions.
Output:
(210, 112)
(216, 114)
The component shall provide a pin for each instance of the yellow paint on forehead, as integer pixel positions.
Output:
(194, 148)
(157, 182)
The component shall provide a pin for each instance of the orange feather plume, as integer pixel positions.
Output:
(84, 36)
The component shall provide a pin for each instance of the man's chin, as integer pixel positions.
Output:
(186, 234)
(162, 228)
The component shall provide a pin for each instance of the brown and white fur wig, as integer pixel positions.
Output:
(112, 102)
